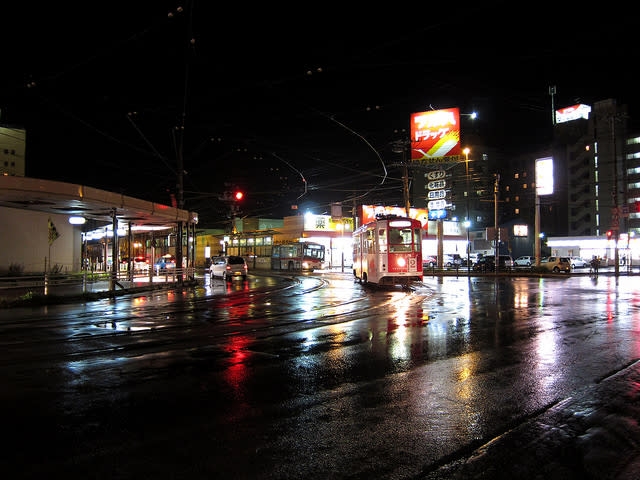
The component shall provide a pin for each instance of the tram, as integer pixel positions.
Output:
(387, 251)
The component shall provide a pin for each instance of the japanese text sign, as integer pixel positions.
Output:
(435, 136)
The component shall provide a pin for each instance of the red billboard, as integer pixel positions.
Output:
(435, 136)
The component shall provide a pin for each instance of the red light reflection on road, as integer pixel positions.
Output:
(236, 374)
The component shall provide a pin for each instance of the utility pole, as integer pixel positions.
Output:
(405, 183)
(552, 92)
(615, 217)
(495, 222)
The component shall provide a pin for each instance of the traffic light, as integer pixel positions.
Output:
(238, 195)
(609, 234)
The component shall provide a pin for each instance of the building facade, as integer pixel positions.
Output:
(12, 150)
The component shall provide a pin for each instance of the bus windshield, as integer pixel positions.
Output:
(314, 251)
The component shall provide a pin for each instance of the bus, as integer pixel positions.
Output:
(297, 256)
(387, 251)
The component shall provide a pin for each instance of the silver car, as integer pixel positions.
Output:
(228, 268)
(524, 261)
(578, 262)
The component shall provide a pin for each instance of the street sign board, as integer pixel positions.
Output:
(436, 174)
(436, 184)
(437, 214)
(437, 205)
(436, 194)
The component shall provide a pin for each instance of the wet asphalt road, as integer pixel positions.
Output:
(324, 378)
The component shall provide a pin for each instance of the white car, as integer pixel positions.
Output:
(578, 262)
(228, 268)
(140, 265)
(524, 261)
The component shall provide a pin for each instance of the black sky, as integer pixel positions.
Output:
(272, 95)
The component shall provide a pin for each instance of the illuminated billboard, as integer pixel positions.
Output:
(574, 112)
(326, 223)
(435, 136)
(369, 213)
(544, 176)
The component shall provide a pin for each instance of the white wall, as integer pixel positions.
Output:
(24, 241)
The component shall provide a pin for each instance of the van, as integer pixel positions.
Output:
(228, 268)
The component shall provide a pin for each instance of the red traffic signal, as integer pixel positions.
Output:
(238, 195)
(609, 234)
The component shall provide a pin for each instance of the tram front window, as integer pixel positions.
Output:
(400, 240)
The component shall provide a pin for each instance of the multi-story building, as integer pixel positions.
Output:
(591, 154)
(632, 182)
(12, 148)
(588, 160)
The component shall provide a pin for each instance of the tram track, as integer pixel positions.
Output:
(144, 329)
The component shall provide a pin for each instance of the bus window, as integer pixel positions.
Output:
(400, 240)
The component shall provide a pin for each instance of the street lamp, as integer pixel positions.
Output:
(466, 194)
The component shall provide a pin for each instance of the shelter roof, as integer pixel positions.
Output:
(91, 203)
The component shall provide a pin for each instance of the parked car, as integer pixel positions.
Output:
(525, 261)
(487, 263)
(473, 258)
(164, 263)
(228, 268)
(429, 261)
(452, 260)
(140, 264)
(556, 264)
(578, 262)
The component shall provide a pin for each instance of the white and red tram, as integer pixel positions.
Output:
(388, 251)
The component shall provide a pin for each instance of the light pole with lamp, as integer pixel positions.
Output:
(467, 222)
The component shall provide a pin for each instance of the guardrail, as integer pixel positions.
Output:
(88, 281)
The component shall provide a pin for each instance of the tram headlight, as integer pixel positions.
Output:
(305, 265)
(401, 261)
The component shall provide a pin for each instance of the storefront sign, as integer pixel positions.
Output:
(435, 136)
(325, 223)
(574, 112)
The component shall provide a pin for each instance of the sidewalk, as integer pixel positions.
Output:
(79, 291)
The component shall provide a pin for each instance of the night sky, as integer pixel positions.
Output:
(262, 98)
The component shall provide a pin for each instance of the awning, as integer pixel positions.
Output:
(91, 203)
